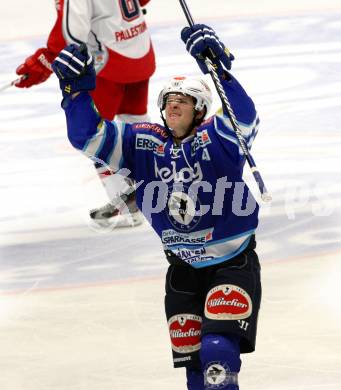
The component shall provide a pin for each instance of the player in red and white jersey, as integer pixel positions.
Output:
(116, 34)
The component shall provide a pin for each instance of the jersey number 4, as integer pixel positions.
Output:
(130, 9)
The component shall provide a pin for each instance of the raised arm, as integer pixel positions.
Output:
(98, 139)
(212, 56)
(201, 40)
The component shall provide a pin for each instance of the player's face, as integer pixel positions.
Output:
(179, 114)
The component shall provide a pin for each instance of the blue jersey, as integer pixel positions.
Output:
(193, 194)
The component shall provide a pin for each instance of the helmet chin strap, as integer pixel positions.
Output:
(164, 121)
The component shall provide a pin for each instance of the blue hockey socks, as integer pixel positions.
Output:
(195, 379)
(220, 359)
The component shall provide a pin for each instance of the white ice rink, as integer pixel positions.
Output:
(80, 310)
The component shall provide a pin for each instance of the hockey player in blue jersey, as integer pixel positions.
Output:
(190, 188)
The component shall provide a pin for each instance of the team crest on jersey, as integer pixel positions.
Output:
(185, 332)
(183, 208)
(217, 375)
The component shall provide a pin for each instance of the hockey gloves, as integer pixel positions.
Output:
(201, 41)
(36, 68)
(75, 69)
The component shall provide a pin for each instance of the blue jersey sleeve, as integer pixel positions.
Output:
(103, 141)
(245, 113)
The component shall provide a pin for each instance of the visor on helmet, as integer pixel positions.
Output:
(195, 87)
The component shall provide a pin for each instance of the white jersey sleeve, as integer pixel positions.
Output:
(115, 32)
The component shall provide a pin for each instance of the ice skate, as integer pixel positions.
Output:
(122, 211)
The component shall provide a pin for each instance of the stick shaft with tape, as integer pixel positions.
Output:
(228, 109)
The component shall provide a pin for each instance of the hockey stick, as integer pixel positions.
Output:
(266, 197)
(8, 85)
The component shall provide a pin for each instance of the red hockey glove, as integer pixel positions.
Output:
(37, 68)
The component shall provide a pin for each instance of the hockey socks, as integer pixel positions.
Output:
(220, 360)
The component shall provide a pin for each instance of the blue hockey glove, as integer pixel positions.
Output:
(75, 70)
(201, 41)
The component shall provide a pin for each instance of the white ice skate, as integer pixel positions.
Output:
(120, 212)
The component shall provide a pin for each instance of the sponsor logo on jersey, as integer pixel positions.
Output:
(151, 127)
(172, 237)
(160, 150)
(185, 332)
(200, 141)
(100, 58)
(227, 302)
(191, 256)
(151, 143)
(184, 175)
(131, 32)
